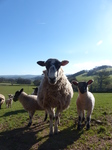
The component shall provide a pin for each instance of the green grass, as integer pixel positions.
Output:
(13, 123)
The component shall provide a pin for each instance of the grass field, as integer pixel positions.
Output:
(14, 135)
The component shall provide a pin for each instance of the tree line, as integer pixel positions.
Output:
(102, 82)
(15, 81)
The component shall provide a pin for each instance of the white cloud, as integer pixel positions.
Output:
(99, 42)
(89, 65)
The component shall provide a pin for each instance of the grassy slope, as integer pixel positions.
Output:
(84, 77)
(14, 134)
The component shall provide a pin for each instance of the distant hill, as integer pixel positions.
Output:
(31, 77)
(86, 74)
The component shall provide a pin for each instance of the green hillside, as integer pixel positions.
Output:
(102, 76)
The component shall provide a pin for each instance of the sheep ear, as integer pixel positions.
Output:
(64, 62)
(41, 63)
(44, 71)
(89, 82)
(21, 90)
(75, 82)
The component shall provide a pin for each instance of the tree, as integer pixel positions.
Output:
(102, 80)
(36, 82)
(23, 81)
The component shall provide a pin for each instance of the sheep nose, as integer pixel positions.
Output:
(52, 80)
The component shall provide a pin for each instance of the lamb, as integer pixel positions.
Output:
(35, 91)
(85, 101)
(2, 100)
(55, 91)
(29, 103)
(9, 101)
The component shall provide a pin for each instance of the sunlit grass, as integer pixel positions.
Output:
(16, 118)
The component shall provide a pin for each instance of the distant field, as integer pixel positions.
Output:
(8, 89)
(14, 135)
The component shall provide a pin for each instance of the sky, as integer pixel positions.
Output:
(79, 31)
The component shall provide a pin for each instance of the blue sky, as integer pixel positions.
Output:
(79, 31)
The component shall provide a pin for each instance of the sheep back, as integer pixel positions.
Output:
(29, 102)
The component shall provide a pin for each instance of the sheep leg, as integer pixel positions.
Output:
(45, 116)
(51, 115)
(56, 122)
(79, 119)
(79, 123)
(59, 119)
(83, 117)
(88, 120)
(30, 118)
(0, 106)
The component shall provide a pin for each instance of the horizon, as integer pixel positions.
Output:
(66, 74)
(77, 31)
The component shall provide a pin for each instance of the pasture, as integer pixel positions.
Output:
(15, 135)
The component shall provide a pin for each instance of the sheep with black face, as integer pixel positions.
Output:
(85, 101)
(29, 103)
(55, 91)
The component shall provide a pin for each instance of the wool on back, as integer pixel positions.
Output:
(29, 102)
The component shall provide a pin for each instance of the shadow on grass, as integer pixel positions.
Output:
(13, 113)
(21, 138)
(62, 140)
(27, 139)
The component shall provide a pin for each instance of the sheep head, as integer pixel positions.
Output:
(82, 86)
(53, 69)
(16, 95)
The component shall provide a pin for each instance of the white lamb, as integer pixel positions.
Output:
(2, 100)
(29, 103)
(9, 101)
(85, 101)
(55, 91)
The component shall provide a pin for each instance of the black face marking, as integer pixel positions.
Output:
(15, 98)
(48, 64)
(82, 87)
(51, 62)
(57, 65)
(52, 66)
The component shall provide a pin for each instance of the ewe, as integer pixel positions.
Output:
(85, 101)
(55, 91)
(29, 103)
(2, 100)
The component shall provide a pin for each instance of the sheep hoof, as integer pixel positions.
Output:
(56, 132)
(29, 124)
(51, 133)
(87, 127)
(79, 127)
(83, 119)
